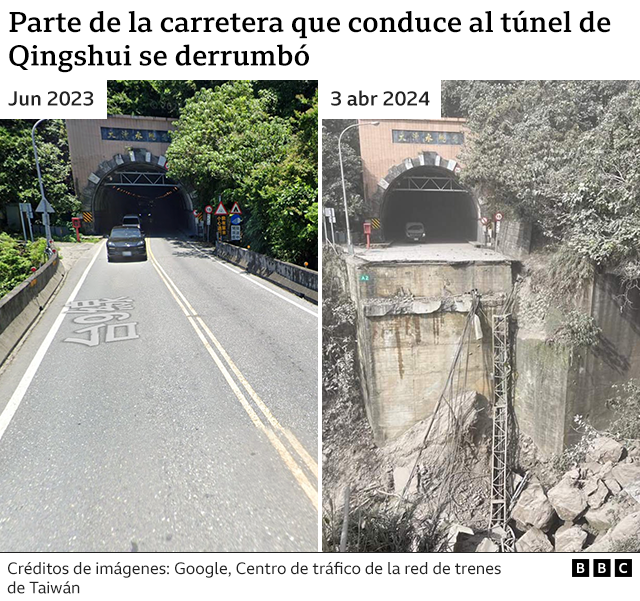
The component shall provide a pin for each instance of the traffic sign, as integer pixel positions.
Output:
(498, 216)
(221, 210)
(195, 212)
(235, 209)
(236, 219)
(208, 210)
(235, 232)
(485, 220)
(44, 205)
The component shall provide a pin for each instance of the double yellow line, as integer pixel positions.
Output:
(270, 427)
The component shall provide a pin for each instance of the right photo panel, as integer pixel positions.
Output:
(481, 323)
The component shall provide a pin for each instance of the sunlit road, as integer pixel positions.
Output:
(175, 409)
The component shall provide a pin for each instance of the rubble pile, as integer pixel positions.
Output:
(594, 507)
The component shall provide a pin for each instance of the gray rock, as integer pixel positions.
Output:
(567, 499)
(533, 508)
(626, 473)
(599, 496)
(534, 541)
(604, 449)
(610, 513)
(570, 539)
(612, 485)
(487, 546)
(625, 536)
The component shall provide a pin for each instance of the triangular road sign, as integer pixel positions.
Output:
(220, 210)
(44, 205)
(235, 209)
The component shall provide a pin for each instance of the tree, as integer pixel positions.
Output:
(562, 155)
(230, 141)
(18, 176)
(331, 178)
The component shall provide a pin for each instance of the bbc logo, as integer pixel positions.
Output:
(601, 568)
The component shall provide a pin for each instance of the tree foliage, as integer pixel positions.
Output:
(231, 141)
(331, 178)
(18, 175)
(562, 154)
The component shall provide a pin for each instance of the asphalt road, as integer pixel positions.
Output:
(179, 415)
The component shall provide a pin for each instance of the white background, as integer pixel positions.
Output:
(347, 62)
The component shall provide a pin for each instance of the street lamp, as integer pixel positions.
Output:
(45, 214)
(344, 190)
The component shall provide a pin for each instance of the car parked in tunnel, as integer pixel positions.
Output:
(126, 242)
(414, 230)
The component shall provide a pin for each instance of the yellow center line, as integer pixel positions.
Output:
(286, 457)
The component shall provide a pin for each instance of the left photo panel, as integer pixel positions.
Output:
(159, 322)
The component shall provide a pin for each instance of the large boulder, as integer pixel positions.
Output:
(610, 513)
(487, 545)
(623, 537)
(626, 473)
(534, 541)
(596, 497)
(570, 539)
(533, 508)
(567, 499)
(604, 449)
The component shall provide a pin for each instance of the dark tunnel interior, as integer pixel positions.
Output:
(163, 209)
(447, 216)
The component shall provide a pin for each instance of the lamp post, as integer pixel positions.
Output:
(45, 214)
(344, 190)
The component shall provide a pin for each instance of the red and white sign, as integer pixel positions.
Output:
(208, 209)
(195, 212)
(498, 216)
(235, 209)
(485, 220)
(221, 210)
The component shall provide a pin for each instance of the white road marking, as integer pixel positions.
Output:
(27, 378)
(270, 432)
(251, 278)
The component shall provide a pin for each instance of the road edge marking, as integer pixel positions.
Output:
(18, 394)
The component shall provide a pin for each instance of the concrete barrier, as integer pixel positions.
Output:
(20, 308)
(299, 280)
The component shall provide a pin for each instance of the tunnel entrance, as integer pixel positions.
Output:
(146, 191)
(433, 197)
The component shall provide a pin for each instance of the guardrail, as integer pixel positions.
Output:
(20, 308)
(299, 280)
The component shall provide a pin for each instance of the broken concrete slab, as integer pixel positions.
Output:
(534, 541)
(568, 500)
(570, 538)
(533, 509)
(487, 545)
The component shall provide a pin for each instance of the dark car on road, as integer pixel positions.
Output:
(126, 243)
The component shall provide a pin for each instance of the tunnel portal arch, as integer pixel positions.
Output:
(136, 182)
(426, 190)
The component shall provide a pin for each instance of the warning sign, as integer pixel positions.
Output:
(235, 209)
(221, 210)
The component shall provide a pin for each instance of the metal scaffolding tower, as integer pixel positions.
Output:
(501, 389)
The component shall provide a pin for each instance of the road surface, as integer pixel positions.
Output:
(166, 405)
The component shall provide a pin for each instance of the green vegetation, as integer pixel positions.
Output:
(626, 407)
(17, 259)
(331, 179)
(231, 142)
(562, 154)
(18, 177)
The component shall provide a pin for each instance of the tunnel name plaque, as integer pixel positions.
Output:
(406, 136)
(134, 135)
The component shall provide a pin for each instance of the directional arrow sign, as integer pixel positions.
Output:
(220, 210)
(235, 209)
(44, 205)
